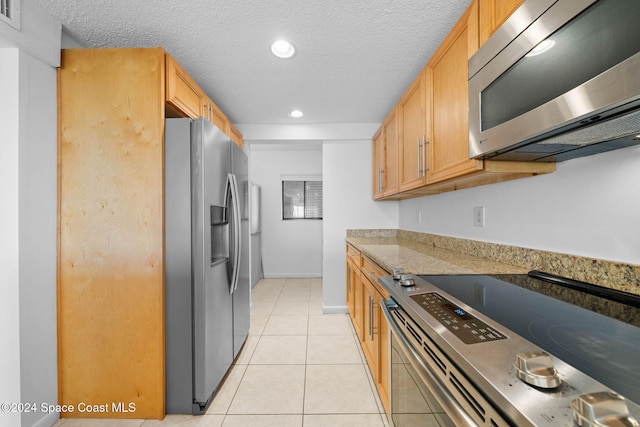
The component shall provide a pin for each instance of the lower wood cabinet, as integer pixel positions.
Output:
(364, 299)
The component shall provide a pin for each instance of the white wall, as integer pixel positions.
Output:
(347, 204)
(38, 201)
(589, 207)
(291, 248)
(9, 244)
(28, 172)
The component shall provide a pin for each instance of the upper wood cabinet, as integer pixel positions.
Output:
(378, 163)
(235, 135)
(182, 93)
(390, 126)
(449, 150)
(385, 157)
(215, 115)
(413, 135)
(184, 98)
(492, 14)
(433, 121)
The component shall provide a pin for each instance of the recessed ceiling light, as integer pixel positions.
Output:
(282, 49)
(542, 47)
(295, 114)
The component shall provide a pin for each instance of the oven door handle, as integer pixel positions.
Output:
(442, 395)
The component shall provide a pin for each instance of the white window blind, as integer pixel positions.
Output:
(301, 199)
(10, 12)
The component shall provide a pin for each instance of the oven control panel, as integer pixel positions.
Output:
(462, 324)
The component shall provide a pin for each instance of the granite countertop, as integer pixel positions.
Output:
(424, 253)
(418, 258)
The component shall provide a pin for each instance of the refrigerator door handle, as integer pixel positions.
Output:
(235, 206)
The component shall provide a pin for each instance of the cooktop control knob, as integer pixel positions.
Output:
(602, 409)
(406, 280)
(397, 272)
(536, 368)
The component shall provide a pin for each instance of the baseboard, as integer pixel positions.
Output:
(293, 275)
(334, 309)
(47, 420)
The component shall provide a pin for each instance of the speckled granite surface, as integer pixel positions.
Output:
(424, 253)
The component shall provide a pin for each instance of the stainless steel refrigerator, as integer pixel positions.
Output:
(206, 261)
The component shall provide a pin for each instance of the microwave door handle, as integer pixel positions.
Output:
(235, 206)
(442, 395)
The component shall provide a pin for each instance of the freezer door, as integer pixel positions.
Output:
(212, 303)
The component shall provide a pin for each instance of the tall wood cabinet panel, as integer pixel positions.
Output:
(413, 138)
(110, 247)
(110, 292)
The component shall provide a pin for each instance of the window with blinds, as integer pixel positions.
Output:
(10, 12)
(301, 199)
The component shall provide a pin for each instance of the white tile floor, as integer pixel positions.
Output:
(297, 368)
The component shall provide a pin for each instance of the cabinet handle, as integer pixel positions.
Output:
(419, 162)
(371, 317)
(424, 160)
(380, 187)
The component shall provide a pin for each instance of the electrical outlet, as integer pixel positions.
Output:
(419, 216)
(478, 216)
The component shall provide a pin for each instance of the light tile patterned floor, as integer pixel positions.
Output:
(298, 368)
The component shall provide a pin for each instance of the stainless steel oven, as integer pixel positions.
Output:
(511, 350)
(427, 389)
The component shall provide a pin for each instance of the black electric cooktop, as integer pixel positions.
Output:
(595, 332)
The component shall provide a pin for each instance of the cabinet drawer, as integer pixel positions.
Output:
(354, 255)
(373, 271)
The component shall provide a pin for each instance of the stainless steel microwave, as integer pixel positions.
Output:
(559, 79)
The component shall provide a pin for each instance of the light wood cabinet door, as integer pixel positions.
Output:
(383, 381)
(369, 326)
(235, 135)
(390, 176)
(493, 13)
(216, 116)
(182, 93)
(378, 163)
(358, 304)
(378, 343)
(385, 158)
(413, 134)
(449, 147)
(350, 289)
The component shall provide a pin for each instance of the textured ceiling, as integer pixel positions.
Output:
(354, 58)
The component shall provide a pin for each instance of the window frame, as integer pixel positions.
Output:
(305, 207)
